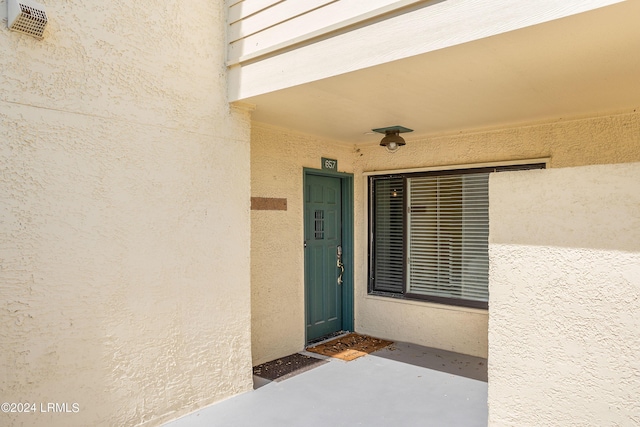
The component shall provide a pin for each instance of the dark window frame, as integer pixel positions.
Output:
(403, 293)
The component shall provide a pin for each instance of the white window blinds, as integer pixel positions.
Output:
(429, 234)
(448, 230)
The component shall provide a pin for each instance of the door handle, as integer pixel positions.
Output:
(340, 264)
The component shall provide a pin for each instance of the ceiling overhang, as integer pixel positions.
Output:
(583, 65)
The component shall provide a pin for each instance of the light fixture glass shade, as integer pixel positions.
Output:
(392, 141)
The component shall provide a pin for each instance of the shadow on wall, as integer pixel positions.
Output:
(564, 331)
(595, 207)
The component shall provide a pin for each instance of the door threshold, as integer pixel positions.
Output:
(327, 337)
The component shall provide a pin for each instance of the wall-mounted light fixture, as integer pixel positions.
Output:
(392, 139)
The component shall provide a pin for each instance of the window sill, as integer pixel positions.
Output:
(426, 304)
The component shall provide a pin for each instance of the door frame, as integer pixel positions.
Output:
(346, 186)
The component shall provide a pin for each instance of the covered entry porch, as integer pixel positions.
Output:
(403, 384)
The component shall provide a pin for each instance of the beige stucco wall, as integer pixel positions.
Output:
(277, 159)
(564, 331)
(606, 139)
(124, 221)
(277, 258)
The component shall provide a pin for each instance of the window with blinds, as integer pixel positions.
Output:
(388, 244)
(429, 235)
(448, 230)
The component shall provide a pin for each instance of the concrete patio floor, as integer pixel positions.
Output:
(401, 385)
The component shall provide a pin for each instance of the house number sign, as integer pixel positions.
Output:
(329, 164)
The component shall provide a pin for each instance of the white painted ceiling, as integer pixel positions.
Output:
(586, 64)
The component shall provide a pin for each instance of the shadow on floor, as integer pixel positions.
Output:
(439, 360)
(403, 385)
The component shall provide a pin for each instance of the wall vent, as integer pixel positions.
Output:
(27, 17)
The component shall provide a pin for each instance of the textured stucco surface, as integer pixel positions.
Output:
(124, 215)
(277, 158)
(456, 329)
(277, 257)
(606, 139)
(564, 330)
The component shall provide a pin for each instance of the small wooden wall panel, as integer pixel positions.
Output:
(268, 204)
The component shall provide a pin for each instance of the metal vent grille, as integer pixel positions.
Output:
(27, 17)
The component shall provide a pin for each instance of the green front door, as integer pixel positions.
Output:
(323, 246)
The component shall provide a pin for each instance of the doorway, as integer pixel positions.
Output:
(328, 252)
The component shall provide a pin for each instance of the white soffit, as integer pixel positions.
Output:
(581, 65)
(436, 26)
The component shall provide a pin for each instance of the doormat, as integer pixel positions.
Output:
(350, 347)
(287, 367)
